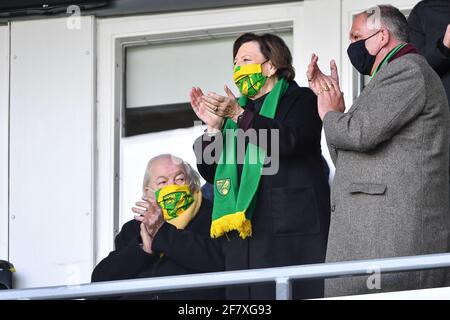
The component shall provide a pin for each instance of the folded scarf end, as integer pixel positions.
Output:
(236, 221)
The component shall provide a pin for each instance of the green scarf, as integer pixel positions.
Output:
(388, 58)
(233, 203)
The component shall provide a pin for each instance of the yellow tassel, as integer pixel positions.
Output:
(235, 221)
(246, 229)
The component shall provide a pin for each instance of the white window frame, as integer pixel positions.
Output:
(112, 34)
(4, 140)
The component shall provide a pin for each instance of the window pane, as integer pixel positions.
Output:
(164, 74)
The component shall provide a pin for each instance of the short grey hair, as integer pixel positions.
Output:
(192, 175)
(392, 19)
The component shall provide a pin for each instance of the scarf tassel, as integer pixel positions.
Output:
(235, 221)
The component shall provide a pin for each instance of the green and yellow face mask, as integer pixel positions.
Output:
(249, 79)
(174, 200)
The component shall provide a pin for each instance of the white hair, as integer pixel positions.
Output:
(193, 178)
(389, 17)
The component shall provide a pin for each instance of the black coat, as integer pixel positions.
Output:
(428, 22)
(130, 261)
(291, 218)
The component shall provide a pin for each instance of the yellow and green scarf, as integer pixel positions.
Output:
(233, 203)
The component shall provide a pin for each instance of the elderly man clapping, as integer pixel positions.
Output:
(172, 196)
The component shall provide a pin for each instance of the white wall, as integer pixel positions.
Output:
(320, 33)
(51, 110)
(4, 138)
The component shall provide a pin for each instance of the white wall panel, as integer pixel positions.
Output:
(320, 32)
(51, 109)
(4, 139)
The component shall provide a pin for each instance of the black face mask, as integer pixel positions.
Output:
(360, 57)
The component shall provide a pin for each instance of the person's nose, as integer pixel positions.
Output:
(239, 62)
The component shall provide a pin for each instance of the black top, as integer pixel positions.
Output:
(130, 261)
(428, 23)
(256, 104)
(253, 107)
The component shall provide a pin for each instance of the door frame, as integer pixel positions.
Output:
(4, 140)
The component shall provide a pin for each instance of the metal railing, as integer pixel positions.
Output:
(282, 276)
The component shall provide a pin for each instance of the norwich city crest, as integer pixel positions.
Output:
(223, 186)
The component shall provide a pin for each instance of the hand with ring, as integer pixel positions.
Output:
(212, 120)
(330, 98)
(223, 106)
(318, 81)
(327, 89)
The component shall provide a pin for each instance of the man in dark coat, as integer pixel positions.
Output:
(134, 258)
(429, 24)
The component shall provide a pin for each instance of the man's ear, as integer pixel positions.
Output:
(385, 36)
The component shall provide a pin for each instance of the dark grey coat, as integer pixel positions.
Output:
(390, 192)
